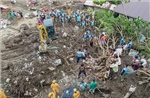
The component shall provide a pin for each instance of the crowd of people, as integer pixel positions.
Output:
(114, 67)
(60, 15)
(15, 15)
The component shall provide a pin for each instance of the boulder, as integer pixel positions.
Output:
(57, 62)
(17, 40)
(51, 68)
(5, 67)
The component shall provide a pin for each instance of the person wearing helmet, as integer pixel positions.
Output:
(2, 94)
(76, 94)
(55, 86)
(52, 95)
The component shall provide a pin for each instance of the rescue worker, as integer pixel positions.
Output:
(68, 17)
(83, 24)
(62, 20)
(55, 86)
(76, 93)
(78, 19)
(52, 95)
(69, 11)
(2, 94)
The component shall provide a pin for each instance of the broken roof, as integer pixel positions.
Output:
(135, 9)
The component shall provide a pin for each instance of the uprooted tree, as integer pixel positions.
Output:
(122, 26)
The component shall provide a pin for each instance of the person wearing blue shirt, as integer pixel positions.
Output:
(83, 85)
(62, 20)
(126, 70)
(122, 41)
(92, 23)
(47, 16)
(80, 55)
(83, 24)
(78, 19)
(129, 44)
(69, 18)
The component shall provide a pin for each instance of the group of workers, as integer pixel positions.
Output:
(15, 15)
(76, 93)
(60, 15)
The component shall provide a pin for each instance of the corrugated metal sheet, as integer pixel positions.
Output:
(135, 8)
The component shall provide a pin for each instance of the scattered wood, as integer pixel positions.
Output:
(141, 71)
(143, 82)
(130, 92)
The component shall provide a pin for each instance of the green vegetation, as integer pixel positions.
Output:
(128, 28)
(116, 2)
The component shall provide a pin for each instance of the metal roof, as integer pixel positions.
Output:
(135, 9)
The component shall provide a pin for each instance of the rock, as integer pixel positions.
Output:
(17, 40)
(51, 68)
(64, 46)
(105, 95)
(7, 80)
(5, 67)
(32, 15)
(26, 33)
(36, 46)
(35, 89)
(57, 62)
(71, 59)
(148, 60)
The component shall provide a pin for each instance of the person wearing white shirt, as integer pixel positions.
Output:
(118, 51)
(143, 63)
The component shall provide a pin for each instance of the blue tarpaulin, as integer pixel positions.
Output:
(68, 93)
(48, 22)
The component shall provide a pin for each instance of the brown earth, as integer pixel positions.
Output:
(26, 73)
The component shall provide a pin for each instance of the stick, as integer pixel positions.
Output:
(143, 72)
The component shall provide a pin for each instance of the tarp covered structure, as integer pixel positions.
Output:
(135, 9)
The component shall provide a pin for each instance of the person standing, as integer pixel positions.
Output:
(55, 87)
(93, 86)
(114, 67)
(80, 55)
(122, 41)
(69, 11)
(81, 70)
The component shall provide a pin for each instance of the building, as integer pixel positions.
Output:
(135, 9)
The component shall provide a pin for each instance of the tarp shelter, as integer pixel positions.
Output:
(135, 9)
(68, 93)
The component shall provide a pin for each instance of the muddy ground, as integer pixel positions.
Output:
(31, 77)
